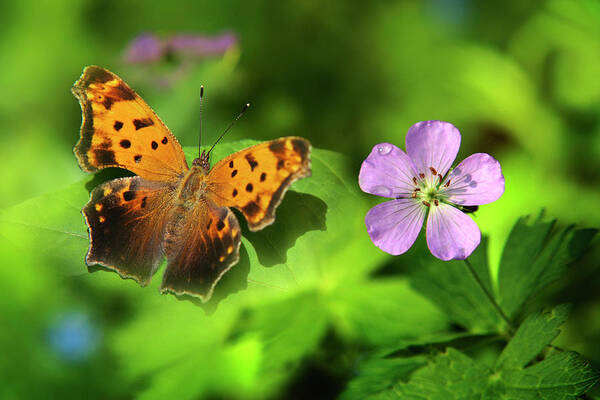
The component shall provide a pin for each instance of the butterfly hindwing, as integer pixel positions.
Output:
(201, 244)
(255, 179)
(126, 219)
(120, 130)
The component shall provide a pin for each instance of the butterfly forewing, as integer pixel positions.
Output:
(127, 219)
(120, 130)
(255, 179)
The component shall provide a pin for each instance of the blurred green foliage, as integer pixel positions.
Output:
(301, 317)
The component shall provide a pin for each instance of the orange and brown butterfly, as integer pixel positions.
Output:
(168, 209)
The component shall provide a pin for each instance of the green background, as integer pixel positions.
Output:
(520, 80)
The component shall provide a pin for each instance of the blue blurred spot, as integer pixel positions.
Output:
(73, 336)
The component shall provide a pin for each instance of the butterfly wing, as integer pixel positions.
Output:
(126, 219)
(201, 244)
(255, 179)
(120, 130)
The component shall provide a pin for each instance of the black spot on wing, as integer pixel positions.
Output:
(277, 146)
(128, 195)
(263, 176)
(125, 144)
(118, 125)
(251, 161)
(142, 123)
(107, 102)
(164, 140)
(122, 92)
(301, 147)
(105, 157)
(251, 209)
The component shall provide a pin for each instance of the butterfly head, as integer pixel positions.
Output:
(203, 161)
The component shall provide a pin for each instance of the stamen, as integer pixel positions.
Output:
(447, 183)
(426, 204)
(436, 202)
(414, 195)
(440, 176)
(417, 189)
(422, 175)
(414, 180)
(433, 171)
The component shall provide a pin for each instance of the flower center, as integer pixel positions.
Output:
(430, 190)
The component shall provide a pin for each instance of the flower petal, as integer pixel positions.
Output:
(451, 234)
(476, 180)
(394, 225)
(387, 172)
(432, 144)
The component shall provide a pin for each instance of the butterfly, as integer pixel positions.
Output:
(169, 209)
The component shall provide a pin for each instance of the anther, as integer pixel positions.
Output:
(422, 175)
(417, 189)
(414, 195)
(436, 202)
(440, 176)
(414, 180)
(448, 183)
(433, 171)
(426, 203)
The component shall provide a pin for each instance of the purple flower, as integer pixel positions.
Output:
(145, 48)
(202, 46)
(148, 48)
(422, 186)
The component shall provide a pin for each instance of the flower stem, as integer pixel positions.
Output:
(489, 295)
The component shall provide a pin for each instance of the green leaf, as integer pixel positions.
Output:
(453, 289)
(453, 375)
(288, 330)
(52, 226)
(533, 257)
(564, 375)
(377, 377)
(534, 334)
(383, 312)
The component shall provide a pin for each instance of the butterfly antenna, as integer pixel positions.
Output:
(229, 127)
(200, 134)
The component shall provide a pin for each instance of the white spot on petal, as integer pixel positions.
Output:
(384, 149)
(382, 191)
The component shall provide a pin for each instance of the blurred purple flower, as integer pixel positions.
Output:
(148, 48)
(145, 48)
(201, 46)
(420, 184)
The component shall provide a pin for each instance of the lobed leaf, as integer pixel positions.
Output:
(535, 256)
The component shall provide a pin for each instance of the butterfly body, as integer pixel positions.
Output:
(169, 209)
